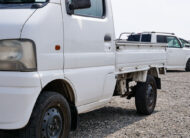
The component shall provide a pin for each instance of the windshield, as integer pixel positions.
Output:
(21, 1)
(134, 38)
(184, 43)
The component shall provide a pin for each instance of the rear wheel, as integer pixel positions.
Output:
(51, 118)
(146, 96)
(188, 66)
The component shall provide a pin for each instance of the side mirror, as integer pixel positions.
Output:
(187, 45)
(79, 4)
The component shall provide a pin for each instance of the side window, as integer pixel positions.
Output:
(173, 42)
(96, 9)
(146, 38)
(135, 38)
(161, 39)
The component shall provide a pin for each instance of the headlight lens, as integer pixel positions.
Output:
(17, 55)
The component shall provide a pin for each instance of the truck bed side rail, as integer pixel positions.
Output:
(130, 43)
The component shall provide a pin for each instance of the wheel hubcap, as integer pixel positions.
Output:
(52, 124)
(150, 95)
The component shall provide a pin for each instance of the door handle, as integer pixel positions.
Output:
(107, 38)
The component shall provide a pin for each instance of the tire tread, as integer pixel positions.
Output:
(140, 99)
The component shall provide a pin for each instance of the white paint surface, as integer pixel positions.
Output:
(152, 15)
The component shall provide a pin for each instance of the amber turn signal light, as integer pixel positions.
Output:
(57, 47)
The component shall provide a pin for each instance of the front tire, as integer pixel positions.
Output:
(188, 66)
(51, 118)
(146, 96)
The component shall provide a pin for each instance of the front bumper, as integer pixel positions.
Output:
(18, 94)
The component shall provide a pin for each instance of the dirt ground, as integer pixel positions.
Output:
(119, 119)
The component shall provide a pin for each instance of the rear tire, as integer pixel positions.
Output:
(146, 96)
(51, 118)
(188, 66)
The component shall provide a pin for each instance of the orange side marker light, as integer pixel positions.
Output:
(57, 47)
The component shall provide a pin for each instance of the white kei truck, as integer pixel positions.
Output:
(60, 58)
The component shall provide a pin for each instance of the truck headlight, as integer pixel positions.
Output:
(17, 55)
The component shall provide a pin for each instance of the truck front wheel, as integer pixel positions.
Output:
(51, 118)
(146, 96)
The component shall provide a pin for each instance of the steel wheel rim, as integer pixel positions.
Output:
(52, 124)
(150, 96)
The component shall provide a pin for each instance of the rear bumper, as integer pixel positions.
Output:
(18, 94)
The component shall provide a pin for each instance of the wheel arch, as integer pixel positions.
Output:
(66, 89)
(62, 87)
(155, 73)
(187, 60)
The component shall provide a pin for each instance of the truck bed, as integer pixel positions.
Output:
(137, 56)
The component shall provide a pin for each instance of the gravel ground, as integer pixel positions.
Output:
(119, 119)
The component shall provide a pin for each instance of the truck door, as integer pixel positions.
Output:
(89, 49)
(176, 55)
